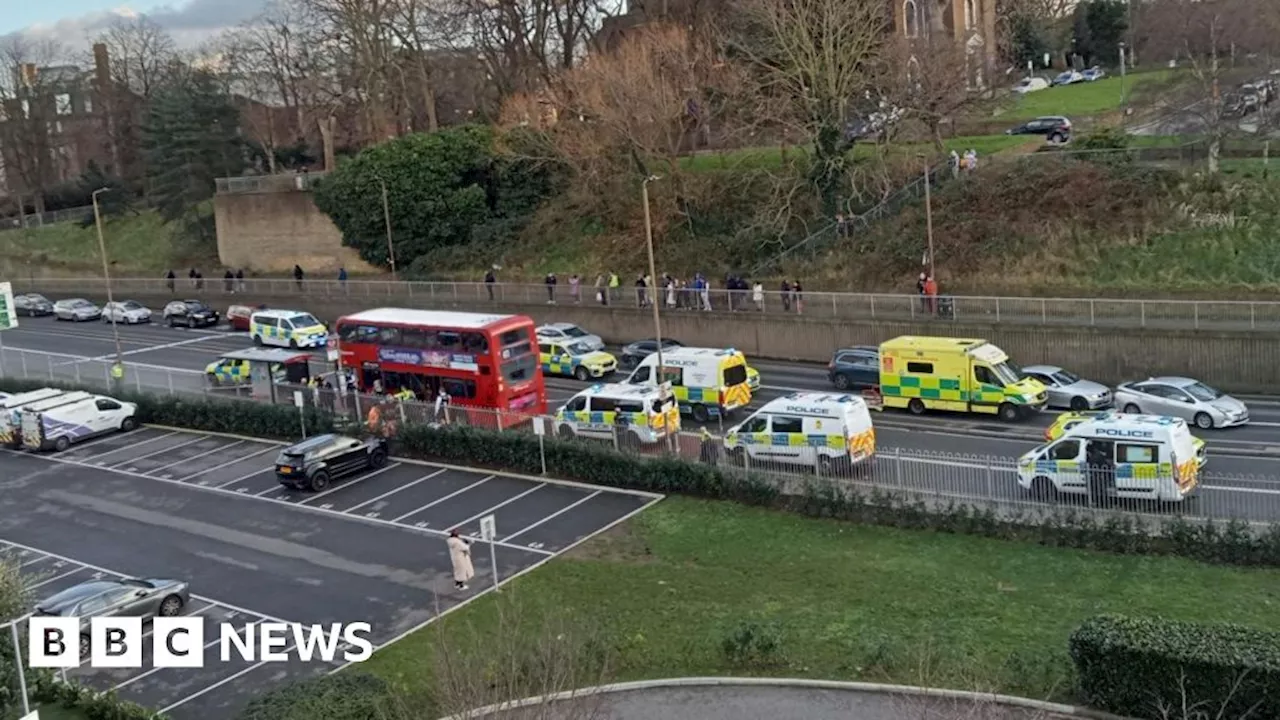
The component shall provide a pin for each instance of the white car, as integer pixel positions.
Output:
(568, 333)
(1184, 398)
(1031, 84)
(129, 312)
(76, 310)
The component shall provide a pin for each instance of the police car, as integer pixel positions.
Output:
(632, 413)
(575, 360)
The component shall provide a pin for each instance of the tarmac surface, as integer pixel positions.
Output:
(208, 509)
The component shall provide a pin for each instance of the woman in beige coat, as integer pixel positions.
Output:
(460, 554)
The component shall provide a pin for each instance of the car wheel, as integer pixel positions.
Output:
(128, 424)
(916, 406)
(1204, 421)
(700, 413)
(62, 443)
(377, 459)
(1009, 412)
(582, 374)
(1042, 489)
(1132, 409)
(169, 319)
(213, 379)
(170, 606)
(191, 323)
(319, 481)
(293, 344)
(842, 382)
(566, 432)
(257, 340)
(1079, 404)
(1055, 138)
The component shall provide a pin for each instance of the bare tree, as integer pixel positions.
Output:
(140, 51)
(925, 82)
(362, 29)
(31, 138)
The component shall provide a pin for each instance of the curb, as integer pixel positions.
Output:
(796, 683)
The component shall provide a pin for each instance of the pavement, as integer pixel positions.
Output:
(208, 509)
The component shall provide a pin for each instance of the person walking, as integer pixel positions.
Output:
(229, 281)
(240, 279)
(550, 282)
(199, 280)
(342, 277)
(191, 275)
(298, 276)
(460, 555)
(489, 280)
(931, 294)
(757, 295)
(615, 285)
(797, 296)
(169, 279)
(602, 294)
(575, 283)
(920, 282)
(786, 296)
(641, 299)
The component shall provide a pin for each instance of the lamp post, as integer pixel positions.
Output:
(928, 212)
(117, 371)
(653, 272)
(386, 220)
(1124, 97)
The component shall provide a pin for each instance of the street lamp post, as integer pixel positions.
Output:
(386, 219)
(928, 213)
(653, 272)
(1124, 97)
(117, 372)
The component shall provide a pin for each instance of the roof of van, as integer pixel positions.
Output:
(1115, 418)
(31, 396)
(58, 401)
(927, 343)
(622, 390)
(275, 312)
(815, 400)
(685, 351)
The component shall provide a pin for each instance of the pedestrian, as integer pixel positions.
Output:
(641, 300)
(489, 280)
(704, 287)
(199, 280)
(169, 278)
(786, 296)
(602, 295)
(920, 283)
(709, 449)
(460, 554)
(442, 407)
(615, 285)
(669, 283)
(240, 279)
(574, 289)
(797, 296)
(342, 277)
(298, 276)
(229, 281)
(757, 294)
(931, 294)
(551, 288)
(954, 162)
(191, 275)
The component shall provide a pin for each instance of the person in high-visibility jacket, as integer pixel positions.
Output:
(710, 450)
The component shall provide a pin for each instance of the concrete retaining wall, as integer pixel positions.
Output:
(1235, 361)
(269, 231)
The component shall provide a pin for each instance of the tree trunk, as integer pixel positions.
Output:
(1215, 152)
(326, 139)
(429, 98)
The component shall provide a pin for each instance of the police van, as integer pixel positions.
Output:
(287, 328)
(707, 382)
(1132, 456)
(11, 412)
(821, 430)
(69, 418)
(637, 413)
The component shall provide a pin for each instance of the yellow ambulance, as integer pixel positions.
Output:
(955, 374)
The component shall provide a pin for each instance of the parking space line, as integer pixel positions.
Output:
(32, 562)
(274, 488)
(201, 611)
(126, 461)
(194, 457)
(220, 683)
(229, 463)
(455, 493)
(406, 486)
(504, 503)
(552, 516)
(154, 670)
(95, 456)
(56, 577)
(242, 477)
(345, 485)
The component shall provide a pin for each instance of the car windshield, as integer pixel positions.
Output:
(37, 298)
(1065, 378)
(1007, 375)
(574, 331)
(301, 321)
(131, 305)
(577, 349)
(81, 303)
(1202, 392)
(197, 306)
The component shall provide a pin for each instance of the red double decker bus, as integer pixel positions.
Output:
(480, 360)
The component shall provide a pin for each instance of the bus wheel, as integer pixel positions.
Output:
(1009, 412)
(701, 413)
(916, 406)
(1042, 489)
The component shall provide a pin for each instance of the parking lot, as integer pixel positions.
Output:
(208, 509)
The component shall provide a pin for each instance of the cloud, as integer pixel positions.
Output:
(190, 23)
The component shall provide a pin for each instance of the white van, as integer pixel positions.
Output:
(77, 416)
(1141, 456)
(707, 382)
(287, 328)
(822, 430)
(11, 416)
(638, 413)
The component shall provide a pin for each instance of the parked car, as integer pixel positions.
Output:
(568, 333)
(76, 310)
(313, 464)
(855, 368)
(130, 597)
(1094, 74)
(129, 312)
(191, 313)
(32, 305)
(1184, 398)
(1069, 77)
(1055, 128)
(1031, 84)
(238, 316)
(633, 354)
(1068, 390)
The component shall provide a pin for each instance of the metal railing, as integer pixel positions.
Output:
(932, 480)
(36, 220)
(285, 182)
(1096, 312)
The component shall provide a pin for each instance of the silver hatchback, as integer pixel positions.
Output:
(76, 310)
(133, 597)
(1068, 390)
(1184, 398)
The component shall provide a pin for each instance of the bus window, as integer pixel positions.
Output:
(389, 336)
(458, 388)
(521, 369)
(475, 343)
(347, 333)
(413, 338)
(511, 337)
(448, 340)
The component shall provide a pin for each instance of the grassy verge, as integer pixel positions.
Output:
(771, 157)
(1081, 99)
(844, 601)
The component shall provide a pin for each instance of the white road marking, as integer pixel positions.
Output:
(243, 477)
(42, 583)
(455, 493)
(133, 446)
(340, 486)
(126, 461)
(552, 516)
(194, 457)
(504, 503)
(151, 348)
(230, 463)
(395, 490)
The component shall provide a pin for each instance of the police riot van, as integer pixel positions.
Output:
(637, 413)
(11, 413)
(1132, 456)
(826, 431)
(287, 328)
(70, 418)
(707, 382)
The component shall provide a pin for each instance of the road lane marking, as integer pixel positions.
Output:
(157, 452)
(154, 670)
(42, 583)
(230, 463)
(166, 346)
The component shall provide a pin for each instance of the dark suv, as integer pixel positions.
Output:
(855, 368)
(636, 352)
(191, 313)
(313, 464)
(1055, 128)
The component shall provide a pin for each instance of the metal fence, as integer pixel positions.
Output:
(35, 220)
(1098, 312)
(284, 182)
(934, 480)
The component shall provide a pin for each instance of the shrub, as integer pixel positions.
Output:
(345, 696)
(1149, 667)
(47, 689)
(751, 644)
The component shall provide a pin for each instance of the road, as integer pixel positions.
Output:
(940, 455)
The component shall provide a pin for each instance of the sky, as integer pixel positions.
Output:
(75, 22)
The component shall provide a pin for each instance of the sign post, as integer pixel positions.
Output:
(301, 401)
(540, 429)
(489, 533)
(8, 316)
(17, 652)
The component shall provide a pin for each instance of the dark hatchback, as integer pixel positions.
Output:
(32, 305)
(636, 352)
(314, 463)
(190, 313)
(855, 368)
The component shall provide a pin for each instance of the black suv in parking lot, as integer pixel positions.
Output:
(313, 464)
(855, 368)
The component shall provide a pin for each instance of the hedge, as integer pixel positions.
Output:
(47, 689)
(1153, 668)
(345, 696)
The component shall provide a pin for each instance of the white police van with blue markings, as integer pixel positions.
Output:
(826, 431)
(11, 412)
(70, 418)
(622, 412)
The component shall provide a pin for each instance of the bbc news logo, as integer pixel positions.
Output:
(179, 642)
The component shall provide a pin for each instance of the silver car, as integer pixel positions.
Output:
(1184, 398)
(134, 597)
(76, 310)
(129, 312)
(568, 333)
(1068, 390)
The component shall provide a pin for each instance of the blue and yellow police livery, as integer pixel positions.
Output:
(575, 360)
